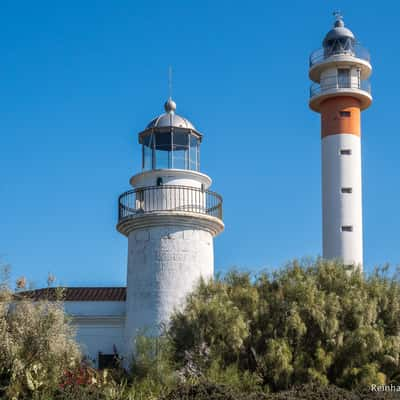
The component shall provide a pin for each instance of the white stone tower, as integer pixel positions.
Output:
(341, 90)
(170, 219)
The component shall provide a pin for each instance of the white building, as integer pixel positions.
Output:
(98, 314)
(170, 218)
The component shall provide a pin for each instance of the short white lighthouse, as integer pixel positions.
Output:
(341, 90)
(170, 219)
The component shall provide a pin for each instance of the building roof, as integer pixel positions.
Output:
(77, 294)
(338, 32)
(170, 118)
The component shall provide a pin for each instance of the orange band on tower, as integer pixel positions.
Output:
(340, 115)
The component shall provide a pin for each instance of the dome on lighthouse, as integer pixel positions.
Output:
(338, 33)
(170, 142)
(170, 118)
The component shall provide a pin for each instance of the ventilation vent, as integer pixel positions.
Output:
(347, 190)
(345, 152)
(347, 228)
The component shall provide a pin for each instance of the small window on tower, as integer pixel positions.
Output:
(345, 152)
(347, 228)
(347, 190)
(345, 114)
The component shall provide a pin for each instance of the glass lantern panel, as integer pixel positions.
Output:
(193, 159)
(163, 147)
(181, 150)
(339, 46)
(148, 152)
(147, 158)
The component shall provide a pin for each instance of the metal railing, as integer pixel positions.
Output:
(321, 55)
(316, 88)
(169, 198)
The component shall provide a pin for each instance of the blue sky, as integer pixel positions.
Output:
(79, 80)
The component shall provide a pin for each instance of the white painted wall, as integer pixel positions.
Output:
(328, 78)
(99, 336)
(164, 265)
(95, 308)
(181, 177)
(99, 326)
(340, 209)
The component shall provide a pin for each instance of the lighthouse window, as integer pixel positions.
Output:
(345, 114)
(347, 228)
(343, 77)
(347, 190)
(345, 152)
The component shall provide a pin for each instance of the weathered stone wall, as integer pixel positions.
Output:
(164, 265)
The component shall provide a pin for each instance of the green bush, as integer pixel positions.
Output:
(153, 372)
(211, 391)
(310, 331)
(307, 323)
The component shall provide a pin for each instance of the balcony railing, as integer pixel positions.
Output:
(317, 89)
(169, 198)
(356, 51)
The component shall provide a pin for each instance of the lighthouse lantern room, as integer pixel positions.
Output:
(170, 141)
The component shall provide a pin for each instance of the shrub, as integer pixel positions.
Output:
(152, 371)
(37, 344)
(210, 391)
(84, 382)
(307, 323)
(297, 334)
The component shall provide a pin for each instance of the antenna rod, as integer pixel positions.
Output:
(338, 15)
(170, 81)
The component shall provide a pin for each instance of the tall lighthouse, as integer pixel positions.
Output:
(341, 90)
(170, 218)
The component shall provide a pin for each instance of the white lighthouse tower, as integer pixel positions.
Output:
(170, 219)
(340, 71)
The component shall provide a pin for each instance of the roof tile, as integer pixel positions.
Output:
(77, 294)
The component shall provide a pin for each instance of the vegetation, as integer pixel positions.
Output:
(313, 330)
(211, 391)
(315, 323)
(37, 344)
